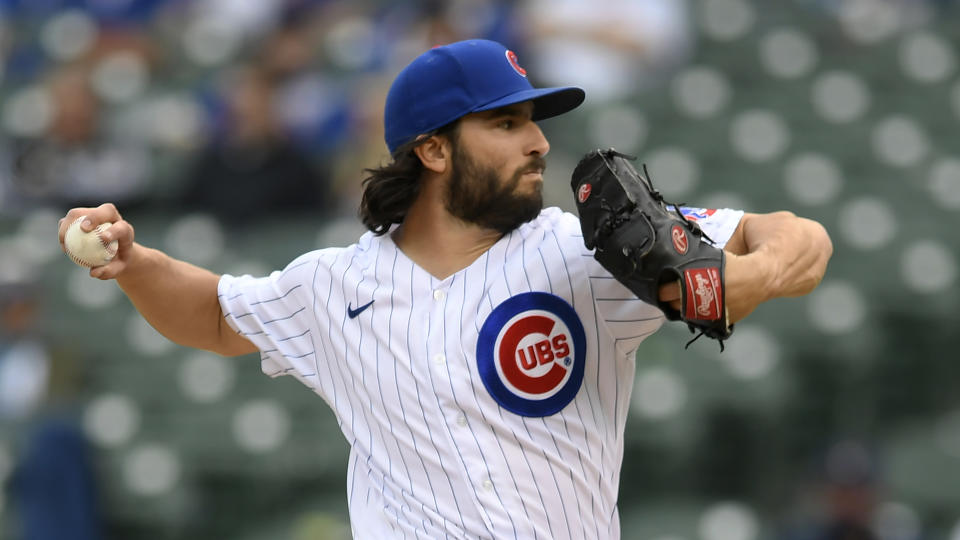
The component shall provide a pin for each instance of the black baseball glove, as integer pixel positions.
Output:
(644, 242)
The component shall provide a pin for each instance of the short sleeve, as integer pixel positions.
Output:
(718, 223)
(275, 313)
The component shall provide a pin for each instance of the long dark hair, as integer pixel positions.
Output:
(389, 190)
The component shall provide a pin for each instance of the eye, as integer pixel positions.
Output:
(506, 123)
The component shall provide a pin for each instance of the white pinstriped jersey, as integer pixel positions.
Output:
(490, 404)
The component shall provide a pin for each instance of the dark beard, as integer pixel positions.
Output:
(475, 195)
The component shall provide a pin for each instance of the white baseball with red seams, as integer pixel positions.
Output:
(88, 249)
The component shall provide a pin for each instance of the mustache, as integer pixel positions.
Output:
(536, 164)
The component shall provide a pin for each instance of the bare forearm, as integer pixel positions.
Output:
(178, 299)
(775, 255)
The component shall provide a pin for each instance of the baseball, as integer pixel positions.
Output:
(88, 248)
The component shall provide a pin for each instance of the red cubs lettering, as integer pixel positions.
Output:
(524, 362)
(544, 352)
(512, 357)
(560, 347)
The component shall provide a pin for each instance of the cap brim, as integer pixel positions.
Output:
(547, 102)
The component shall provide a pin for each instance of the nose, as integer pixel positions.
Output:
(538, 143)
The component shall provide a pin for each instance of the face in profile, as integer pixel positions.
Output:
(478, 194)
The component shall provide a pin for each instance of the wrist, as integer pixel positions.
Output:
(139, 262)
(750, 281)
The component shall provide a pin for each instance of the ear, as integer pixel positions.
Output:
(434, 153)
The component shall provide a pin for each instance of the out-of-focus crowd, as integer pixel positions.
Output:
(245, 111)
(245, 108)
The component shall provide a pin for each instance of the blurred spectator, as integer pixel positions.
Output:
(312, 104)
(52, 487)
(73, 161)
(612, 49)
(250, 169)
(847, 495)
(24, 359)
(403, 31)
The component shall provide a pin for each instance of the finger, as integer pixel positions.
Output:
(670, 292)
(105, 213)
(121, 231)
(107, 271)
(68, 220)
(95, 216)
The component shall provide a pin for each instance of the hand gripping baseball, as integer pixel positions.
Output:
(644, 244)
(118, 231)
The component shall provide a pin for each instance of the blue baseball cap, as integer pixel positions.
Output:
(454, 80)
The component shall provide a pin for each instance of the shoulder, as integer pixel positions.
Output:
(554, 220)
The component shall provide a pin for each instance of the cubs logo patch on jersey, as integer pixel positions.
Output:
(531, 354)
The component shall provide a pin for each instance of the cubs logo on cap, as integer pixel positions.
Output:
(531, 354)
(515, 63)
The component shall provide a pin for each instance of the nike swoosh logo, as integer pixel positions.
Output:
(352, 313)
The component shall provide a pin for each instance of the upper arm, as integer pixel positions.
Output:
(755, 229)
(741, 242)
(231, 343)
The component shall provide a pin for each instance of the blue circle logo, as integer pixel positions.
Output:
(531, 354)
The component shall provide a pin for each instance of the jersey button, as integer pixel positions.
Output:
(439, 359)
(462, 420)
(438, 295)
(488, 485)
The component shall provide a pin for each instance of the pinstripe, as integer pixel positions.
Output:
(426, 423)
(500, 409)
(318, 337)
(580, 446)
(586, 443)
(563, 506)
(416, 386)
(353, 379)
(523, 421)
(566, 268)
(455, 446)
(281, 297)
(566, 426)
(393, 272)
(597, 356)
(333, 379)
(383, 440)
(596, 323)
(305, 332)
(453, 393)
(473, 386)
(342, 377)
(346, 375)
(288, 317)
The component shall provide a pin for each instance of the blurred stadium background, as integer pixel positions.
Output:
(232, 133)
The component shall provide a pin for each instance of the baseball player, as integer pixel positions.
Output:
(479, 360)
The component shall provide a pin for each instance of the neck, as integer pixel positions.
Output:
(438, 242)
